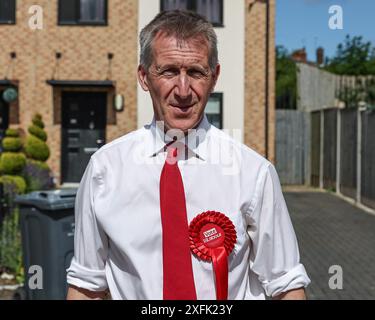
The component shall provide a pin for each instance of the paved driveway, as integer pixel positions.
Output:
(332, 232)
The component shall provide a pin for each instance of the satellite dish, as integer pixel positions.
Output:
(10, 94)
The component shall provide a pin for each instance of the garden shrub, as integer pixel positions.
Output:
(36, 171)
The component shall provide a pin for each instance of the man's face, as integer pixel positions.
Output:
(179, 80)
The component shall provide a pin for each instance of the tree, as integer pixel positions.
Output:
(286, 80)
(353, 57)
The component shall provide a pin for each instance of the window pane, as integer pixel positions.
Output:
(4, 114)
(68, 11)
(174, 4)
(213, 110)
(211, 9)
(213, 106)
(93, 10)
(215, 120)
(7, 11)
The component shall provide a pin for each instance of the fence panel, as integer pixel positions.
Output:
(368, 159)
(330, 141)
(315, 148)
(291, 130)
(348, 157)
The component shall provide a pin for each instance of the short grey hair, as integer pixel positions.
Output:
(182, 25)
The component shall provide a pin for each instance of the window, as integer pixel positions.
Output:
(211, 9)
(7, 11)
(214, 110)
(4, 118)
(4, 114)
(82, 12)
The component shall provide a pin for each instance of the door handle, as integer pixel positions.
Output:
(99, 141)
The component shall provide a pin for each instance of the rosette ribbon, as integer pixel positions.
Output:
(212, 237)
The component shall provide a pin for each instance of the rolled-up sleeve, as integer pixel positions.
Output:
(87, 269)
(274, 254)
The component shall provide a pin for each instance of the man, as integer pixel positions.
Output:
(144, 195)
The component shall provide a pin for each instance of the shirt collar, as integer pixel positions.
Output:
(195, 140)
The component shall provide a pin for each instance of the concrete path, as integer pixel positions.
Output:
(332, 232)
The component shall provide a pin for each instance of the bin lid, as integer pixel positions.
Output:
(49, 200)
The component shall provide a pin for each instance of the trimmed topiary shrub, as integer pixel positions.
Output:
(13, 184)
(38, 132)
(12, 161)
(36, 172)
(38, 121)
(36, 149)
(12, 144)
(12, 133)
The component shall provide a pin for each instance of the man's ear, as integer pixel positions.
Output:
(215, 76)
(142, 78)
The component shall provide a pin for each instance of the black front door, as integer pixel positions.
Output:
(83, 131)
(4, 118)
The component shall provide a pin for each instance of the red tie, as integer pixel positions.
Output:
(178, 280)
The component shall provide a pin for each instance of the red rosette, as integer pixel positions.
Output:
(212, 238)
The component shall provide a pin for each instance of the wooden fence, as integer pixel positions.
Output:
(292, 146)
(332, 149)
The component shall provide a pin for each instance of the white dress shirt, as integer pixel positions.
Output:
(118, 235)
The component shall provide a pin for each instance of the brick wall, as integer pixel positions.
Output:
(255, 77)
(84, 57)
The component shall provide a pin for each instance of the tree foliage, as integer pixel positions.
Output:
(353, 56)
(286, 80)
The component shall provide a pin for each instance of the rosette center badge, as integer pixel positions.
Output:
(212, 235)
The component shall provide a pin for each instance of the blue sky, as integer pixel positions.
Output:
(304, 23)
